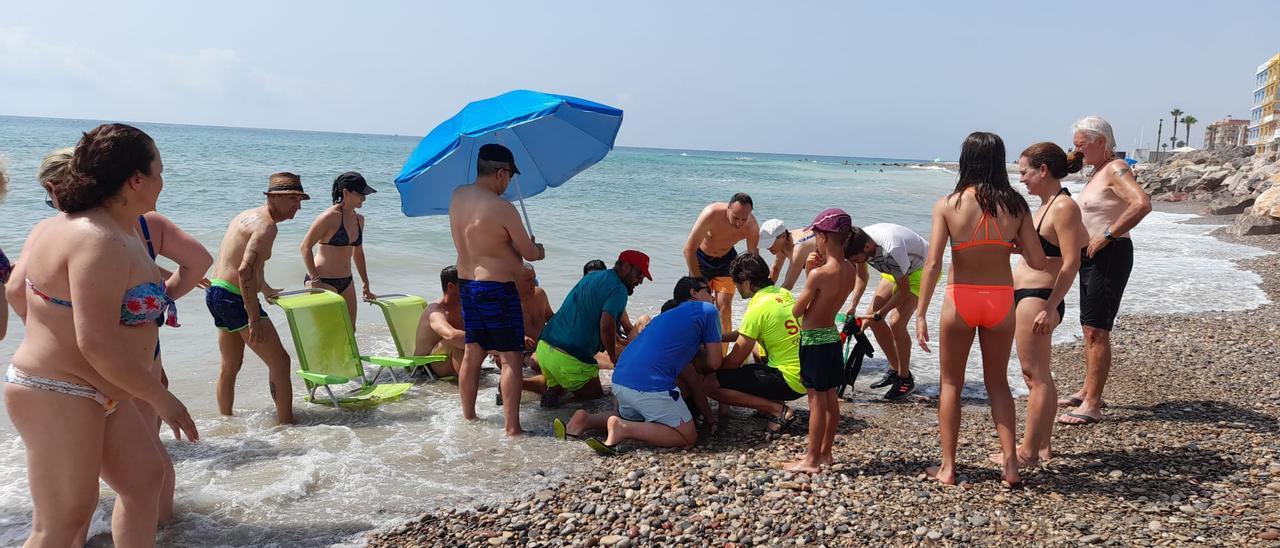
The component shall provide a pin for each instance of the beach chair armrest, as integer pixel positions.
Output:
(318, 378)
(424, 360)
(387, 361)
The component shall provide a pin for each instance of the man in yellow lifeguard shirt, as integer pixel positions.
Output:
(768, 322)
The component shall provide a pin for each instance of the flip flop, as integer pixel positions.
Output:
(601, 448)
(561, 431)
(1085, 419)
(1074, 402)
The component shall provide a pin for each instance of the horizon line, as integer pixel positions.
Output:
(419, 137)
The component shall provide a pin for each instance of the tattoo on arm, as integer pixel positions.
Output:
(1122, 171)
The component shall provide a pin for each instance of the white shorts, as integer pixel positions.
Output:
(666, 407)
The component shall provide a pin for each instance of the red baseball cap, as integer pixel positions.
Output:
(636, 259)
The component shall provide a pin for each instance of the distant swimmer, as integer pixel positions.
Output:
(491, 241)
(339, 231)
(898, 254)
(787, 246)
(710, 248)
(232, 297)
(440, 330)
(1111, 204)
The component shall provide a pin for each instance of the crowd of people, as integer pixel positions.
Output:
(85, 409)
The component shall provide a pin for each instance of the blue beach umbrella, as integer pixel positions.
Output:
(553, 138)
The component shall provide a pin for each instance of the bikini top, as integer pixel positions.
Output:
(341, 239)
(1050, 250)
(986, 223)
(5, 269)
(145, 302)
(146, 236)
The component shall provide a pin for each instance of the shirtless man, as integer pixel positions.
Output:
(709, 249)
(792, 246)
(535, 305)
(440, 330)
(232, 296)
(491, 242)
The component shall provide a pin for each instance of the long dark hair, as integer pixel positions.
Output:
(982, 167)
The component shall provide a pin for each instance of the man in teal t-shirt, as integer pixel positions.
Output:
(589, 317)
(768, 322)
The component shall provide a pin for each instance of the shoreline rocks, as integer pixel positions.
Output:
(1187, 455)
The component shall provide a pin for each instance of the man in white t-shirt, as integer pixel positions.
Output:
(898, 253)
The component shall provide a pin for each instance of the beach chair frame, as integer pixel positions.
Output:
(369, 391)
(388, 302)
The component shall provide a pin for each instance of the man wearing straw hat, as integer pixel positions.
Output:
(232, 296)
(492, 246)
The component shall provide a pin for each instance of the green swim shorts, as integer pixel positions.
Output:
(561, 369)
(914, 278)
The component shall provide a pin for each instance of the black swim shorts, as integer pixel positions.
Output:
(1102, 281)
(715, 267)
(759, 380)
(822, 364)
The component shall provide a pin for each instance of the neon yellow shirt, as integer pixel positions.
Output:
(769, 322)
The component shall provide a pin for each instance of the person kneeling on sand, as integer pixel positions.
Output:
(441, 329)
(768, 322)
(585, 322)
(650, 407)
(536, 308)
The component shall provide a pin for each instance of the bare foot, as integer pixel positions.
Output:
(1024, 461)
(1046, 455)
(945, 477)
(826, 460)
(803, 465)
(516, 432)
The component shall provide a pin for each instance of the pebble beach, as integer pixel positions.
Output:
(1189, 454)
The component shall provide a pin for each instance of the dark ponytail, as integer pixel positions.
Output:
(104, 159)
(982, 167)
(337, 190)
(1060, 163)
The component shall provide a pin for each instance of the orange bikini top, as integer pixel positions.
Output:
(986, 223)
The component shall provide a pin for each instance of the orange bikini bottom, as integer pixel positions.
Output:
(981, 305)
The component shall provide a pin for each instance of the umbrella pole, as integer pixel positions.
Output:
(520, 194)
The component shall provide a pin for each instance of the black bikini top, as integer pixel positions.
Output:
(340, 238)
(1050, 250)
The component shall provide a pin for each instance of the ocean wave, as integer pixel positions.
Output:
(932, 167)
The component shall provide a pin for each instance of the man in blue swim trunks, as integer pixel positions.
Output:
(492, 246)
(232, 296)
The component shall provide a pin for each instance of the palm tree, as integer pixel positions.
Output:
(1176, 112)
(1189, 121)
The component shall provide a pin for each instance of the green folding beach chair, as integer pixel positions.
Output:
(327, 352)
(403, 313)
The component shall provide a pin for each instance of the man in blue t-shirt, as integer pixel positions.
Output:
(586, 321)
(650, 408)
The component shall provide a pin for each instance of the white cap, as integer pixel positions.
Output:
(770, 231)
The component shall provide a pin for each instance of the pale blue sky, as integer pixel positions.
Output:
(902, 79)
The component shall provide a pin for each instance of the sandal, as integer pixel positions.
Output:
(601, 448)
(782, 421)
(1074, 402)
(560, 431)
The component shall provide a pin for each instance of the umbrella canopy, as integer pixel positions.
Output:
(553, 138)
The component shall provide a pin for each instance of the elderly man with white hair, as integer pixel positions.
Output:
(1111, 204)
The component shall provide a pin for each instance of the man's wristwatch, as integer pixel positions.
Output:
(1107, 234)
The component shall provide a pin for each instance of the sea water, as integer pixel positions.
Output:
(341, 473)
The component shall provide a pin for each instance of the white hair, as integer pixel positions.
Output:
(1095, 127)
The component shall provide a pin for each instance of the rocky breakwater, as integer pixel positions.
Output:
(1231, 181)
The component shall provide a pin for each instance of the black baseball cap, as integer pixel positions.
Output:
(354, 182)
(493, 152)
